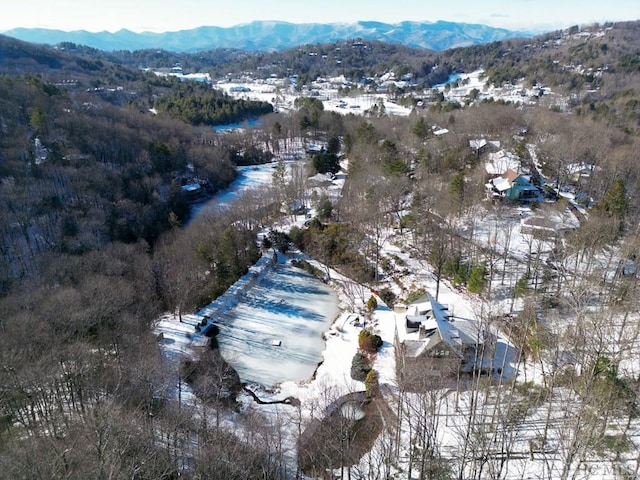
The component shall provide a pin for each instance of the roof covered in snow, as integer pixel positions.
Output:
(426, 324)
(499, 162)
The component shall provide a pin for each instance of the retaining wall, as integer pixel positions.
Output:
(236, 292)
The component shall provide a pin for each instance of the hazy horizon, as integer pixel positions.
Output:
(151, 16)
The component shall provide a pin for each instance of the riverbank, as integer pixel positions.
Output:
(236, 292)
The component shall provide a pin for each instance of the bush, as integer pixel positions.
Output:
(452, 266)
(408, 221)
(307, 267)
(280, 240)
(371, 383)
(359, 367)
(387, 296)
(414, 295)
(296, 235)
(325, 208)
(477, 278)
(266, 243)
(385, 264)
(372, 303)
(399, 260)
(369, 342)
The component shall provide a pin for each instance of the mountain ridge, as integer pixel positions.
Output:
(273, 35)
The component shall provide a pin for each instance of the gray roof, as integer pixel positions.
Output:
(449, 333)
(438, 327)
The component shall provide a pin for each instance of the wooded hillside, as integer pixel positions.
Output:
(97, 241)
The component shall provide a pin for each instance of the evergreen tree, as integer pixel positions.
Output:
(456, 188)
(477, 279)
(371, 383)
(420, 129)
(333, 145)
(614, 203)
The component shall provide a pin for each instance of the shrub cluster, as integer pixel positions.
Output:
(307, 267)
(387, 296)
(360, 367)
(369, 342)
(414, 295)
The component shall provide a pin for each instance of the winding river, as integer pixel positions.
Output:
(249, 177)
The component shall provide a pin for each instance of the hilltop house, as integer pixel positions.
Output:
(514, 186)
(430, 346)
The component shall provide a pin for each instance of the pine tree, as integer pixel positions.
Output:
(477, 279)
(456, 188)
(420, 129)
(614, 203)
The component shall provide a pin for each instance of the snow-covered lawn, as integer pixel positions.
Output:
(281, 308)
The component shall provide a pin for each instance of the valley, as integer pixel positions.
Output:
(389, 275)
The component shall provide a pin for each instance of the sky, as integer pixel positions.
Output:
(160, 16)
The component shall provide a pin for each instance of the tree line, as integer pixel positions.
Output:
(201, 105)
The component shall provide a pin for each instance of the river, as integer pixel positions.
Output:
(249, 177)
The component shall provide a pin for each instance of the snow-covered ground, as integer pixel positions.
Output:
(458, 89)
(332, 100)
(461, 88)
(498, 229)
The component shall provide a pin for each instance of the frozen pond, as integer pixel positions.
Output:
(275, 333)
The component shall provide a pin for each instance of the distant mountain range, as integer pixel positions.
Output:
(273, 35)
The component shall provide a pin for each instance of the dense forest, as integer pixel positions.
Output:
(97, 241)
(354, 59)
(207, 106)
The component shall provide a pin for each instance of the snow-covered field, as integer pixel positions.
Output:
(283, 98)
(278, 309)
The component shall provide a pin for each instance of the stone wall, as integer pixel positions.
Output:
(236, 292)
